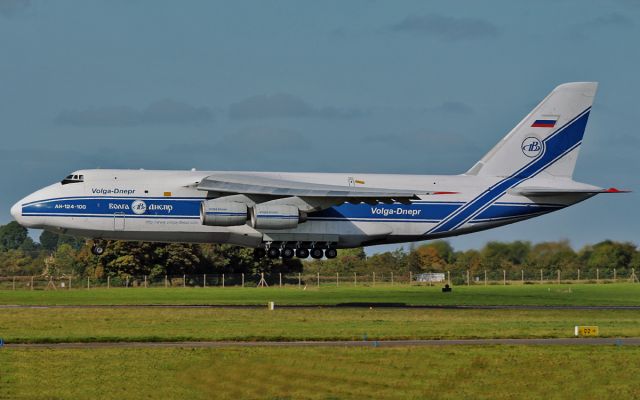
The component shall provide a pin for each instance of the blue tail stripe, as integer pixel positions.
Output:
(557, 145)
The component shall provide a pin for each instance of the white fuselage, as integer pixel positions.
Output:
(164, 206)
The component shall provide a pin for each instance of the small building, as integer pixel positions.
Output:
(432, 277)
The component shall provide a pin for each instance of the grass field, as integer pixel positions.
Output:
(489, 372)
(573, 294)
(504, 372)
(90, 325)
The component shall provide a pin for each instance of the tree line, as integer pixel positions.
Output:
(60, 255)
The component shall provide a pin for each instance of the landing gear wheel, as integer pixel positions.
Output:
(302, 253)
(331, 253)
(273, 252)
(97, 249)
(287, 253)
(259, 253)
(316, 253)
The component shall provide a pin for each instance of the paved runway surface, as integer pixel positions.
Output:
(381, 343)
(341, 305)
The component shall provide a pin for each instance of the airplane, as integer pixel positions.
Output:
(281, 214)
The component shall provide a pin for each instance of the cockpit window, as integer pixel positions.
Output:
(73, 178)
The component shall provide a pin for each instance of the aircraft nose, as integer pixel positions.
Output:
(16, 211)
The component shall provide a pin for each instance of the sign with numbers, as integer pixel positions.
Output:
(586, 330)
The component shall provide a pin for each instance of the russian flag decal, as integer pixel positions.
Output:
(547, 122)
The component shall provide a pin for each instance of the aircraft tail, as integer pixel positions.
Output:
(548, 139)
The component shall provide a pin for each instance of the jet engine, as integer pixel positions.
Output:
(265, 216)
(223, 213)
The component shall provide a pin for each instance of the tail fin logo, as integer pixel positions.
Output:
(531, 147)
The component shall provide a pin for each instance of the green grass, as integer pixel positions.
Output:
(153, 324)
(492, 372)
(574, 294)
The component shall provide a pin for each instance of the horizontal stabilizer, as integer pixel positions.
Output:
(542, 191)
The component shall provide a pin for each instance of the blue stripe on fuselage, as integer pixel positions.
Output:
(560, 143)
(419, 212)
(113, 205)
(170, 208)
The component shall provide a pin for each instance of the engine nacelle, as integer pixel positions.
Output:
(264, 216)
(223, 213)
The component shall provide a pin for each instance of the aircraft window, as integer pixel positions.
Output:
(72, 179)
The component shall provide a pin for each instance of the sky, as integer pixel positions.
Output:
(334, 86)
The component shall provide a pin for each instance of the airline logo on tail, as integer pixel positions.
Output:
(531, 147)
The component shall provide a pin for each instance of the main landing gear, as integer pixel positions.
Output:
(287, 251)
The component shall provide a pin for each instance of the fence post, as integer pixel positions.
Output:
(522, 276)
(299, 280)
(32, 282)
(485, 277)
(108, 282)
(14, 283)
(243, 279)
(448, 278)
(392, 279)
(204, 280)
(280, 279)
(558, 276)
(165, 281)
(614, 275)
(318, 278)
(541, 281)
(597, 275)
(222, 280)
(504, 276)
(337, 279)
(145, 281)
(184, 280)
(87, 282)
(69, 282)
(578, 275)
(355, 279)
(410, 278)
(374, 278)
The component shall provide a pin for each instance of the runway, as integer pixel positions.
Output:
(354, 343)
(340, 305)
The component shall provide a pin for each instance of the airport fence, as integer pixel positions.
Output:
(303, 280)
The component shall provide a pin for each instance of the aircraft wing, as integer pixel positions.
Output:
(279, 188)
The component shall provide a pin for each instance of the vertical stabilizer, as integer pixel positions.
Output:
(548, 139)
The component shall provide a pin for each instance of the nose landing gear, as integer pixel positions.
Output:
(97, 249)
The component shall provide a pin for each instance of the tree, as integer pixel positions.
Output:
(62, 261)
(468, 260)
(17, 262)
(390, 261)
(553, 255)
(505, 255)
(51, 240)
(226, 258)
(15, 236)
(608, 254)
(435, 256)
